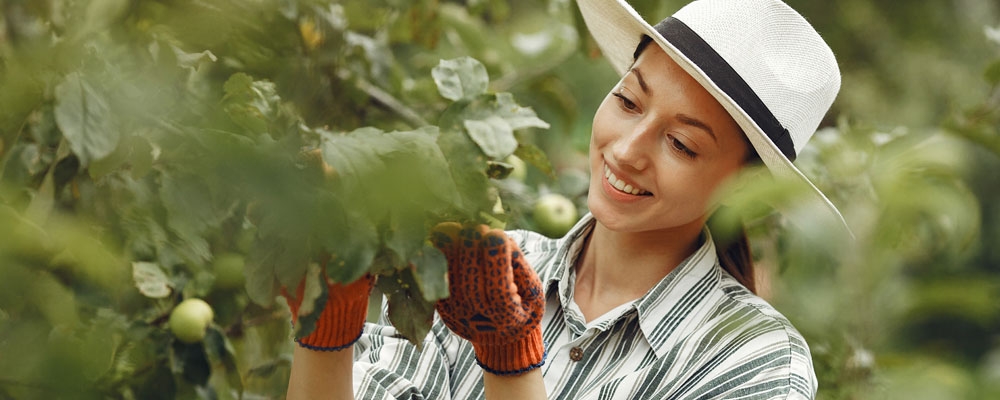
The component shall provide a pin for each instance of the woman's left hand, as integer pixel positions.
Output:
(496, 299)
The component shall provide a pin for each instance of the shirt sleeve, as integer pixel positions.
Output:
(764, 360)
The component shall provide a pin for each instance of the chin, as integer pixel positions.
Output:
(609, 218)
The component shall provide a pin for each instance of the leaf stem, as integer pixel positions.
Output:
(386, 99)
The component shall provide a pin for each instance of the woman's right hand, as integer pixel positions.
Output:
(322, 363)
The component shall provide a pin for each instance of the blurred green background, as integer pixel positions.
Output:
(116, 198)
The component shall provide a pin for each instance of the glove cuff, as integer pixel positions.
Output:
(338, 327)
(512, 358)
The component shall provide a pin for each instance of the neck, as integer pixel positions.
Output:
(618, 267)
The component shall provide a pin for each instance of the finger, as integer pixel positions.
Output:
(529, 286)
(460, 252)
(469, 268)
(500, 291)
(448, 229)
(445, 235)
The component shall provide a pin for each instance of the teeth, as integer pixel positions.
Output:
(620, 184)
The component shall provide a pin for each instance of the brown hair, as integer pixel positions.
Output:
(732, 246)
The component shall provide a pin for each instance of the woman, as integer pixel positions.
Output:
(636, 301)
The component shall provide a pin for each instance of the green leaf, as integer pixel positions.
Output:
(278, 250)
(352, 242)
(518, 117)
(534, 155)
(190, 362)
(409, 311)
(406, 234)
(462, 78)
(493, 135)
(391, 180)
(85, 119)
(262, 285)
(220, 351)
(468, 169)
(102, 167)
(150, 280)
(188, 202)
(191, 211)
(431, 272)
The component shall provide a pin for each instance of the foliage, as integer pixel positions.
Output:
(142, 143)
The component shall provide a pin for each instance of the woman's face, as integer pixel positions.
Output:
(667, 144)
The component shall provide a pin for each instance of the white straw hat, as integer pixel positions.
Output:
(760, 59)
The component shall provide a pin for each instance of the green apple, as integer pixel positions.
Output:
(554, 215)
(228, 269)
(520, 170)
(190, 319)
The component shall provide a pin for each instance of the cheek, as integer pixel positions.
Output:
(602, 129)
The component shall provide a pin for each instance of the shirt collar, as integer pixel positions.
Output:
(668, 306)
(568, 249)
(676, 303)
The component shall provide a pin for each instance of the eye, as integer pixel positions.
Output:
(626, 103)
(680, 147)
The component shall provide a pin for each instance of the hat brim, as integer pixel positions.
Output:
(618, 28)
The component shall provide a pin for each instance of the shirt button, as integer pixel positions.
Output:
(576, 354)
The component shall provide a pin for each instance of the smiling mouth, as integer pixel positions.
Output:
(621, 186)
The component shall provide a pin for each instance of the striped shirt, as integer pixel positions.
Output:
(697, 334)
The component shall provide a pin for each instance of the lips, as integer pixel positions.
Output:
(623, 186)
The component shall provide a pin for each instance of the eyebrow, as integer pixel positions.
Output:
(697, 123)
(642, 82)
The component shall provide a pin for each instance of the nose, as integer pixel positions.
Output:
(632, 148)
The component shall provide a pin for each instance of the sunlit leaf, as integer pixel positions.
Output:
(314, 298)
(462, 78)
(518, 117)
(193, 60)
(250, 103)
(150, 280)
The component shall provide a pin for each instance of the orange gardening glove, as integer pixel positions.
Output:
(343, 317)
(496, 300)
